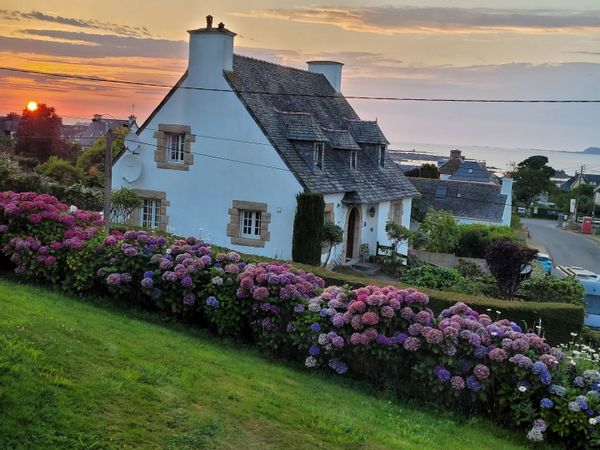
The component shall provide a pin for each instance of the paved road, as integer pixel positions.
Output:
(565, 247)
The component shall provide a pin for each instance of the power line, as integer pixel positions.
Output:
(288, 94)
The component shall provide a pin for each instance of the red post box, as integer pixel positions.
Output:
(586, 225)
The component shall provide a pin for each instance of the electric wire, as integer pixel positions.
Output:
(291, 94)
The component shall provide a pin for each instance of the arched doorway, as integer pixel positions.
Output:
(353, 233)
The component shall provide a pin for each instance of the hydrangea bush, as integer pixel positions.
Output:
(385, 335)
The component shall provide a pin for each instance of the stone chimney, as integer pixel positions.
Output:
(210, 53)
(331, 69)
(97, 118)
(455, 154)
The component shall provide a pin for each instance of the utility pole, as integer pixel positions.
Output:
(108, 177)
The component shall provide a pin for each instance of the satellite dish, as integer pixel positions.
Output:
(131, 141)
(132, 168)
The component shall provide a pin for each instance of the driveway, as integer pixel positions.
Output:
(565, 247)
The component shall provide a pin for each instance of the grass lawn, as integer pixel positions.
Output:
(86, 374)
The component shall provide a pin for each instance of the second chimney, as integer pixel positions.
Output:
(331, 69)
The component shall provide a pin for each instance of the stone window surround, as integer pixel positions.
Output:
(152, 195)
(233, 227)
(160, 153)
(392, 212)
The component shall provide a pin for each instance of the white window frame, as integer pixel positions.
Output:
(174, 146)
(381, 156)
(250, 224)
(319, 155)
(150, 213)
(353, 159)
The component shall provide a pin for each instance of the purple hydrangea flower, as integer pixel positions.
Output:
(473, 384)
(457, 383)
(189, 299)
(187, 282)
(147, 283)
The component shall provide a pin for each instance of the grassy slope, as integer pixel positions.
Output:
(84, 374)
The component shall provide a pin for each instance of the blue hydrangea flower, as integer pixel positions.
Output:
(314, 350)
(213, 302)
(315, 328)
(579, 382)
(539, 367)
(473, 384)
(149, 274)
(546, 403)
(557, 390)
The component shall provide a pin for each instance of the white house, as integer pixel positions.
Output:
(468, 201)
(227, 150)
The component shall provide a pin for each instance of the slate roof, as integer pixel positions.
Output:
(587, 178)
(96, 129)
(341, 139)
(301, 126)
(463, 199)
(472, 171)
(450, 166)
(366, 132)
(299, 91)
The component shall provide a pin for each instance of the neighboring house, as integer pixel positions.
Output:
(461, 169)
(9, 124)
(236, 139)
(87, 134)
(578, 179)
(468, 202)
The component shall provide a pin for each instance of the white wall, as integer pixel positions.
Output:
(200, 198)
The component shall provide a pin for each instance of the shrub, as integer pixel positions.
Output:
(308, 228)
(468, 269)
(441, 231)
(60, 170)
(475, 239)
(9, 171)
(506, 260)
(551, 289)
(332, 235)
(432, 277)
(85, 197)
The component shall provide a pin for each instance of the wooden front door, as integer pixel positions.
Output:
(351, 234)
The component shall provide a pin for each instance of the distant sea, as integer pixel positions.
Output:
(500, 158)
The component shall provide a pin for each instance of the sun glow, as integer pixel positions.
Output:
(32, 106)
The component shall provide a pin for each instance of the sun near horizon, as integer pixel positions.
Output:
(32, 106)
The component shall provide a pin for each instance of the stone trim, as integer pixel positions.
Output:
(233, 227)
(146, 194)
(391, 212)
(160, 153)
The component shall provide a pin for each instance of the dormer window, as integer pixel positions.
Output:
(381, 158)
(319, 154)
(353, 159)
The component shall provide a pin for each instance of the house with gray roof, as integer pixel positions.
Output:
(86, 134)
(225, 153)
(578, 179)
(468, 201)
(461, 169)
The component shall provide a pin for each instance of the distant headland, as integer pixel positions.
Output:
(591, 151)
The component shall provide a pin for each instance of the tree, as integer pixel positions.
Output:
(530, 182)
(59, 170)
(332, 236)
(441, 231)
(39, 134)
(429, 171)
(91, 160)
(308, 228)
(532, 177)
(506, 260)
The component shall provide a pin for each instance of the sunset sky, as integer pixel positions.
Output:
(427, 48)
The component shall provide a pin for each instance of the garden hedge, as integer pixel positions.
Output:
(558, 320)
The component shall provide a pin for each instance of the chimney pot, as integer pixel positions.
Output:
(332, 70)
(221, 26)
(209, 21)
